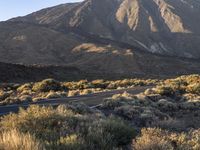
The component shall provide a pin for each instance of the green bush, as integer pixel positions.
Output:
(121, 133)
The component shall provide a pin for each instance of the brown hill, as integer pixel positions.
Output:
(124, 37)
(159, 26)
(10, 73)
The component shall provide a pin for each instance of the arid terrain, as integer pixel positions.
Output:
(102, 75)
(140, 115)
(124, 37)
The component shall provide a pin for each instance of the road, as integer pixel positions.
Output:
(90, 100)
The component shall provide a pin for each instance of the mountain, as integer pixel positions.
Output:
(159, 26)
(108, 36)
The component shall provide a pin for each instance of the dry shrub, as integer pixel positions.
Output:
(128, 111)
(47, 85)
(194, 88)
(99, 84)
(157, 139)
(15, 140)
(167, 105)
(69, 128)
(4, 95)
(24, 87)
(164, 90)
(73, 93)
(152, 139)
(53, 94)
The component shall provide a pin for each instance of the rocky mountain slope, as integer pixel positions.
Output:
(159, 26)
(108, 36)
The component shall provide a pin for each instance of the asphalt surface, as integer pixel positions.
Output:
(91, 100)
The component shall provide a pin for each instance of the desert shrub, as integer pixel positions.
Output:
(25, 87)
(152, 139)
(53, 94)
(128, 111)
(80, 108)
(121, 133)
(186, 141)
(125, 98)
(149, 92)
(4, 95)
(194, 139)
(157, 139)
(194, 88)
(69, 85)
(167, 105)
(184, 84)
(10, 100)
(111, 103)
(15, 140)
(164, 90)
(73, 93)
(96, 138)
(9, 86)
(25, 98)
(82, 84)
(108, 134)
(49, 125)
(189, 79)
(65, 128)
(37, 120)
(99, 84)
(83, 92)
(47, 85)
(130, 83)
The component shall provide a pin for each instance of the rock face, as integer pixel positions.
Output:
(120, 36)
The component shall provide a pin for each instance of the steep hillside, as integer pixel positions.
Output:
(159, 26)
(122, 37)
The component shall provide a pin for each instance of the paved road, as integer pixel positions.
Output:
(90, 100)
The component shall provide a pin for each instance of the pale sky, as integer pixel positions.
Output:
(14, 8)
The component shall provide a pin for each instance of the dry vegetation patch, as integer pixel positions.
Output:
(15, 140)
(66, 127)
(165, 117)
(157, 139)
(50, 88)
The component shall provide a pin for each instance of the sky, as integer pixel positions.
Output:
(14, 8)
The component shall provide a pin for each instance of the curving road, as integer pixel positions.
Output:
(91, 100)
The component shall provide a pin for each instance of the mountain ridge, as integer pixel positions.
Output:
(115, 36)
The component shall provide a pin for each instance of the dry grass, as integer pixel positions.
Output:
(70, 127)
(157, 139)
(15, 140)
(152, 139)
